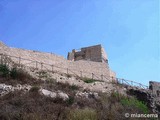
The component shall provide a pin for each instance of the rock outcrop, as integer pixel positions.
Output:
(58, 94)
(147, 97)
(5, 89)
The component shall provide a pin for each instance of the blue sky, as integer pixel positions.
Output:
(128, 30)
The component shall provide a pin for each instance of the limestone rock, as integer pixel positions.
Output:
(5, 89)
(48, 93)
(62, 95)
(87, 95)
(51, 94)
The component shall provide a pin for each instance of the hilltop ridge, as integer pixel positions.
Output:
(87, 67)
(86, 86)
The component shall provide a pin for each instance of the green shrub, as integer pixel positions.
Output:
(82, 114)
(13, 73)
(133, 102)
(4, 70)
(19, 74)
(71, 100)
(89, 80)
(115, 96)
(42, 74)
(129, 102)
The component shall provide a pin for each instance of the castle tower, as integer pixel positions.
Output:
(92, 53)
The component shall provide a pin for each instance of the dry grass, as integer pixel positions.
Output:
(82, 114)
(33, 106)
(51, 84)
(19, 105)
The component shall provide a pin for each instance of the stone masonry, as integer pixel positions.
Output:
(93, 53)
(83, 68)
(155, 88)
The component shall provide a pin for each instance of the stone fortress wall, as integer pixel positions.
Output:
(81, 68)
(93, 53)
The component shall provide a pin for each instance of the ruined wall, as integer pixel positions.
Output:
(59, 63)
(155, 92)
(93, 53)
(155, 88)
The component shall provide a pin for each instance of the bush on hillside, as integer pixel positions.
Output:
(19, 74)
(133, 102)
(71, 100)
(130, 102)
(115, 105)
(15, 75)
(4, 70)
(89, 80)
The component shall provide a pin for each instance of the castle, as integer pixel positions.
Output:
(89, 62)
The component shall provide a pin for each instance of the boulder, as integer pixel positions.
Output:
(51, 94)
(62, 95)
(48, 93)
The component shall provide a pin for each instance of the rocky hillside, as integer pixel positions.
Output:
(32, 94)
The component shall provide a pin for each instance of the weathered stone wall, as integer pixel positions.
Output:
(93, 53)
(89, 67)
(80, 68)
(112, 74)
(155, 88)
(104, 55)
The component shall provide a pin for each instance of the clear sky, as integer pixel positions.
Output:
(128, 30)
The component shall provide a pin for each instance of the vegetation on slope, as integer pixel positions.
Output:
(19, 105)
(15, 76)
(34, 106)
(89, 80)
